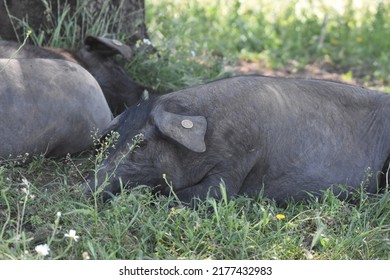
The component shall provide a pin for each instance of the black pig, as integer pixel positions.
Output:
(285, 137)
(96, 57)
(48, 106)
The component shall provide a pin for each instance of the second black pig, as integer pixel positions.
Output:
(96, 56)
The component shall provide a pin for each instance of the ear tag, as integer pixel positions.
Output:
(116, 42)
(187, 124)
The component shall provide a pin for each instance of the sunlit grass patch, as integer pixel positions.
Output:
(348, 35)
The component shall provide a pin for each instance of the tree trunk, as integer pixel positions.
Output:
(40, 17)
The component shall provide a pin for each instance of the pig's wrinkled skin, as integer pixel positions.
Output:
(285, 137)
(49, 107)
(96, 56)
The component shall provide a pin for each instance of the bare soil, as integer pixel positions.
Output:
(314, 71)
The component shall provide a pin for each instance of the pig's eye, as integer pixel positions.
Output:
(143, 143)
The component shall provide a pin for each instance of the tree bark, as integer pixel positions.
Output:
(38, 15)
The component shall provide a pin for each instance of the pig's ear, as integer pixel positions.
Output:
(107, 47)
(189, 131)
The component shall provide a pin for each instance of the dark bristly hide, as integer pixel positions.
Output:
(284, 137)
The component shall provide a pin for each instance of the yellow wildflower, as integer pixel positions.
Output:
(280, 217)
(359, 39)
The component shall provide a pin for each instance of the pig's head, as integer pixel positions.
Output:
(97, 56)
(153, 141)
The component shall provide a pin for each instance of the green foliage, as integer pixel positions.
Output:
(297, 31)
(170, 70)
(67, 27)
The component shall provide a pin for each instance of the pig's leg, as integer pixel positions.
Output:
(210, 186)
(229, 172)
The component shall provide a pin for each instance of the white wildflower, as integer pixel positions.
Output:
(86, 256)
(72, 235)
(42, 250)
(24, 190)
(147, 41)
(26, 182)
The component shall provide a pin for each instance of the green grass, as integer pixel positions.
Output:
(68, 28)
(196, 40)
(348, 40)
(140, 225)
